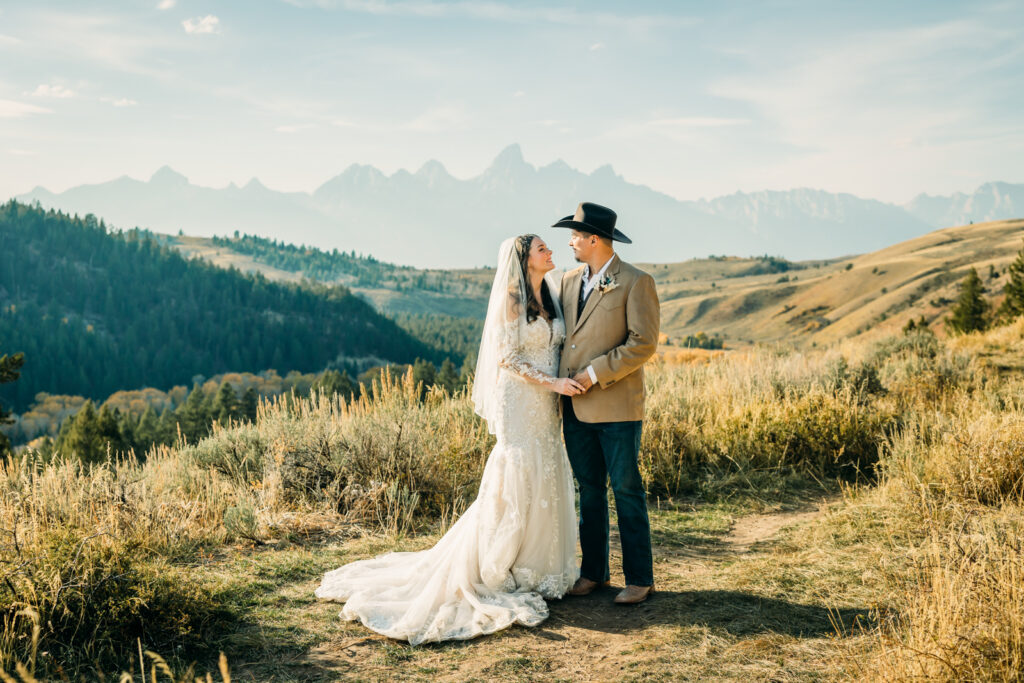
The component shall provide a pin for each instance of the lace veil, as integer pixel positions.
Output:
(504, 328)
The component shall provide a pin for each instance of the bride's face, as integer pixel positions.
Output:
(540, 257)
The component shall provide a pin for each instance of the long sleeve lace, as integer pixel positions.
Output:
(512, 356)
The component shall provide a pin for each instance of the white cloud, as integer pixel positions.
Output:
(166, 4)
(697, 122)
(119, 101)
(498, 11)
(843, 94)
(519, 93)
(596, 46)
(294, 128)
(10, 109)
(8, 40)
(207, 24)
(21, 152)
(899, 99)
(437, 119)
(58, 91)
(433, 120)
(688, 130)
(110, 40)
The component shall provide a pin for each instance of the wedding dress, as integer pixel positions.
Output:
(516, 543)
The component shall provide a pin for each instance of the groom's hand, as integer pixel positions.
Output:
(583, 379)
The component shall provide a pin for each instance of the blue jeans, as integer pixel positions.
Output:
(599, 451)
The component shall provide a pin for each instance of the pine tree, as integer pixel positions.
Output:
(1013, 305)
(347, 385)
(448, 377)
(225, 406)
(970, 313)
(109, 431)
(468, 368)
(167, 432)
(10, 367)
(147, 432)
(424, 371)
(332, 382)
(209, 415)
(82, 438)
(127, 425)
(193, 418)
(250, 400)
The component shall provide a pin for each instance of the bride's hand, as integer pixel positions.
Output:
(568, 387)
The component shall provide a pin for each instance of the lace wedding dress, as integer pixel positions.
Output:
(516, 543)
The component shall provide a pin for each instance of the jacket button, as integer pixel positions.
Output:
(573, 346)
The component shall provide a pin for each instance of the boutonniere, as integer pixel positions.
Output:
(606, 284)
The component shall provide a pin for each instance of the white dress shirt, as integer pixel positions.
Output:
(588, 286)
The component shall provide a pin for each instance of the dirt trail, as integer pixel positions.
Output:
(592, 639)
(753, 529)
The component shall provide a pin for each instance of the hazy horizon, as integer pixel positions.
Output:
(145, 177)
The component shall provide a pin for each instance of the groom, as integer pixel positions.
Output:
(611, 320)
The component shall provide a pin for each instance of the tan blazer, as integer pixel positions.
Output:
(616, 333)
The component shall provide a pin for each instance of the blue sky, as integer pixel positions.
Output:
(883, 100)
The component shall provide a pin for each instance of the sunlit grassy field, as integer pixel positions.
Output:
(910, 569)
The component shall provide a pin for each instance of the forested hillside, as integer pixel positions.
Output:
(95, 312)
(350, 269)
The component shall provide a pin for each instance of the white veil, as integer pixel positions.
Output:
(504, 327)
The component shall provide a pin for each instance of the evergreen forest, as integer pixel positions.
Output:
(95, 311)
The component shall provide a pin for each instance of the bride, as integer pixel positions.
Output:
(516, 543)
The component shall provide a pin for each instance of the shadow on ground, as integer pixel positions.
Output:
(735, 612)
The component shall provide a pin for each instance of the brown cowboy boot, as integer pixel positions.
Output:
(631, 595)
(584, 586)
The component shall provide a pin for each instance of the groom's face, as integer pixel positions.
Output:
(582, 244)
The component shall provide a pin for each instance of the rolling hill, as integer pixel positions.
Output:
(767, 299)
(97, 311)
(392, 289)
(823, 301)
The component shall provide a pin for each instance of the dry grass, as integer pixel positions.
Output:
(966, 618)
(865, 297)
(217, 545)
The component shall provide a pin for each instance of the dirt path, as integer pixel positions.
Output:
(698, 604)
(754, 529)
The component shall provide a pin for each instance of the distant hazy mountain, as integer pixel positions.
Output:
(432, 219)
(168, 203)
(990, 202)
(805, 223)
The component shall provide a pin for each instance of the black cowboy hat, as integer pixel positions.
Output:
(595, 219)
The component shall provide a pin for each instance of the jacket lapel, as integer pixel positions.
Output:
(572, 296)
(595, 294)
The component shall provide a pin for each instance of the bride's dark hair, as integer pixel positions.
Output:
(533, 307)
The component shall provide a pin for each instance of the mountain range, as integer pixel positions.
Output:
(432, 219)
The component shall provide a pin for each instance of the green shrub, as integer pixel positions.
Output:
(95, 597)
(237, 452)
(240, 521)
